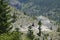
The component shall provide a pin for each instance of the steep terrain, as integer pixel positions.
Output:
(24, 21)
(49, 8)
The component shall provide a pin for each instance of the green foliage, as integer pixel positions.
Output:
(51, 28)
(14, 17)
(10, 36)
(37, 39)
(39, 23)
(43, 38)
(34, 17)
(25, 13)
(4, 16)
(5, 36)
(58, 29)
(30, 33)
(15, 35)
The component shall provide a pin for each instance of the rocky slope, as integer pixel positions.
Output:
(24, 21)
(49, 8)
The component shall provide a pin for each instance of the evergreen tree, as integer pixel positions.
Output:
(43, 38)
(14, 17)
(30, 33)
(24, 13)
(51, 38)
(58, 29)
(4, 16)
(16, 35)
(39, 23)
(32, 24)
(37, 39)
(51, 28)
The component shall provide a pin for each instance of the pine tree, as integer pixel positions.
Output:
(50, 38)
(16, 35)
(24, 13)
(14, 17)
(37, 39)
(50, 28)
(39, 23)
(58, 29)
(43, 38)
(30, 33)
(4, 16)
(32, 24)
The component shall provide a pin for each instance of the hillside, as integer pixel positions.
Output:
(30, 20)
(24, 21)
(49, 8)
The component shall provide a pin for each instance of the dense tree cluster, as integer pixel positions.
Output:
(4, 16)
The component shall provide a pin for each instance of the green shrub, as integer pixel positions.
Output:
(10, 36)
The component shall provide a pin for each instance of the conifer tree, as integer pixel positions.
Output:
(58, 29)
(17, 35)
(43, 38)
(32, 24)
(50, 38)
(24, 13)
(30, 33)
(14, 17)
(50, 28)
(4, 16)
(39, 23)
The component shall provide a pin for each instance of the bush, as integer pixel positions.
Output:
(10, 36)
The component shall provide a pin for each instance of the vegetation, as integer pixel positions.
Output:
(10, 36)
(14, 17)
(58, 29)
(30, 33)
(5, 24)
(4, 16)
(39, 34)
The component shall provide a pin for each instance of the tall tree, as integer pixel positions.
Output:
(50, 28)
(14, 17)
(4, 16)
(58, 29)
(24, 13)
(39, 23)
(30, 33)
